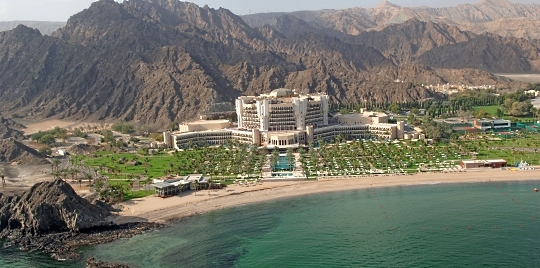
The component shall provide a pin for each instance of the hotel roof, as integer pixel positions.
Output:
(162, 185)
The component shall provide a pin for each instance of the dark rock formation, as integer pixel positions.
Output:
(14, 151)
(50, 207)
(52, 218)
(93, 263)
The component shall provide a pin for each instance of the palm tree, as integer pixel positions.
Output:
(196, 184)
(290, 158)
(148, 181)
(131, 187)
(73, 172)
(54, 165)
(89, 178)
(138, 178)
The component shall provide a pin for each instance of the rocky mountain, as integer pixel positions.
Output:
(50, 207)
(14, 151)
(45, 27)
(10, 129)
(444, 46)
(500, 17)
(160, 60)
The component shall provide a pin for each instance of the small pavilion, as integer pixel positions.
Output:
(165, 189)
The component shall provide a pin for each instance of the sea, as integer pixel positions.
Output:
(492, 224)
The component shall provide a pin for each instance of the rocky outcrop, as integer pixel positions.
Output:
(499, 17)
(14, 151)
(52, 218)
(93, 263)
(82, 149)
(50, 207)
(10, 129)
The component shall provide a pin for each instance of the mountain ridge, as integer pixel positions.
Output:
(157, 61)
(45, 27)
(484, 16)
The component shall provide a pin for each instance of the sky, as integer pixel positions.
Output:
(61, 10)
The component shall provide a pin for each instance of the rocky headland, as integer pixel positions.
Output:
(52, 218)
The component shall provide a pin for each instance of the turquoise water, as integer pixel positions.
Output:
(282, 164)
(455, 225)
(15, 258)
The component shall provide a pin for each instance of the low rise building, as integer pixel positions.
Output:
(495, 163)
(489, 124)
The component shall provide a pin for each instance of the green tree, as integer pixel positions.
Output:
(521, 108)
(481, 113)
(500, 113)
(47, 139)
(108, 136)
(394, 108)
(45, 151)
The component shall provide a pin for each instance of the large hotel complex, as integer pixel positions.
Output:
(284, 118)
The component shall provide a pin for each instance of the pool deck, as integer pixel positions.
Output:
(298, 172)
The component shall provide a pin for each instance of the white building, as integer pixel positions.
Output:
(284, 118)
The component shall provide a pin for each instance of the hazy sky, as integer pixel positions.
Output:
(61, 10)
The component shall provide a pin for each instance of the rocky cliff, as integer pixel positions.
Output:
(159, 61)
(500, 17)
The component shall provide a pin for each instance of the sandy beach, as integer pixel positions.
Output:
(155, 209)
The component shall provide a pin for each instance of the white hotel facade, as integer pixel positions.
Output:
(284, 118)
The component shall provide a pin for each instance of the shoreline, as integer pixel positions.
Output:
(158, 210)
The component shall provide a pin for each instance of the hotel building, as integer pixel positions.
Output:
(284, 118)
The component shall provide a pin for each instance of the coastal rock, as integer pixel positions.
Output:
(52, 218)
(50, 207)
(14, 151)
(93, 263)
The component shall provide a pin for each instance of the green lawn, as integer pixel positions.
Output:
(218, 163)
(492, 110)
